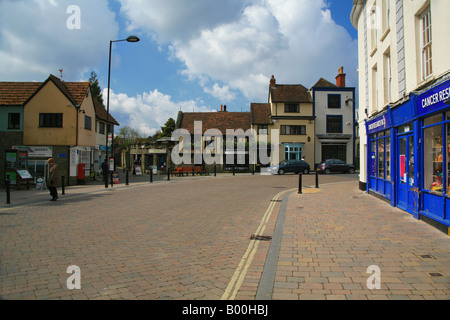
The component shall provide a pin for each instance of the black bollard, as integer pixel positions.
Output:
(127, 178)
(151, 175)
(215, 170)
(234, 170)
(168, 174)
(8, 190)
(300, 182)
(63, 185)
(112, 180)
(317, 179)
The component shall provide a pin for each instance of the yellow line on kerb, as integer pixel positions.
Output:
(241, 271)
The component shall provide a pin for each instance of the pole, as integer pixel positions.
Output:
(151, 174)
(317, 179)
(8, 190)
(215, 170)
(63, 185)
(127, 178)
(107, 111)
(300, 183)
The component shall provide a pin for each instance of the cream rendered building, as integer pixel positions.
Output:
(404, 74)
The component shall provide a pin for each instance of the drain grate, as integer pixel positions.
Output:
(260, 238)
(426, 256)
(435, 274)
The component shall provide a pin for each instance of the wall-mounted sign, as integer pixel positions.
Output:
(36, 152)
(378, 124)
(434, 99)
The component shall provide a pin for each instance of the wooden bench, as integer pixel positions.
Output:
(197, 170)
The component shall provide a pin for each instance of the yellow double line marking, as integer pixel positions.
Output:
(241, 271)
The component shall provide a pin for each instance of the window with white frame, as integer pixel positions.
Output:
(426, 40)
(387, 77)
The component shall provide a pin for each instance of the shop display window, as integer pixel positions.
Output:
(381, 158)
(381, 155)
(373, 156)
(388, 158)
(433, 155)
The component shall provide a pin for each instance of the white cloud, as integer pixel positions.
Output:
(295, 40)
(222, 93)
(179, 19)
(36, 41)
(149, 111)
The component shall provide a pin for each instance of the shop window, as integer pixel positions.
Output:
(373, 159)
(292, 151)
(334, 151)
(433, 155)
(388, 159)
(411, 161)
(447, 148)
(381, 158)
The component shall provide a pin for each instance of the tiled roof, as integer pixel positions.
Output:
(17, 93)
(217, 120)
(322, 83)
(261, 113)
(290, 93)
(74, 91)
(100, 112)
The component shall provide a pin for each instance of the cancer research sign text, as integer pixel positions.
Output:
(433, 99)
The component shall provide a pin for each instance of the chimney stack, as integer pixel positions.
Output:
(340, 79)
(221, 108)
(273, 82)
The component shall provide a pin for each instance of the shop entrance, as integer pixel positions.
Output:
(405, 169)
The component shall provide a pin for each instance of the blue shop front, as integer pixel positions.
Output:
(409, 155)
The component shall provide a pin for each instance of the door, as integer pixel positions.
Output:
(405, 169)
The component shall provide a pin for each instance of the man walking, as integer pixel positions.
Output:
(53, 179)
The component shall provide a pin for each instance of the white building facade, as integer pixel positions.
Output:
(404, 111)
(334, 109)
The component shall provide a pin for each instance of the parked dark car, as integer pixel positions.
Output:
(295, 166)
(335, 165)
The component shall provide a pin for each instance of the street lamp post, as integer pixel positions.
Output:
(131, 39)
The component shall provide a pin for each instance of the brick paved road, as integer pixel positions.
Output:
(178, 240)
(188, 238)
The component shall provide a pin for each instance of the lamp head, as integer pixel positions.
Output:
(133, 39)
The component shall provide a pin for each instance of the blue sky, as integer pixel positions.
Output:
(193, 55)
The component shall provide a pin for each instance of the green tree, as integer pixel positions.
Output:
(95, 87)
(128, 136)
(168, 128)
